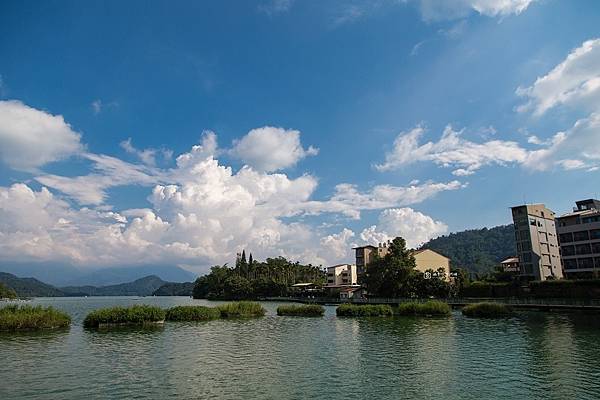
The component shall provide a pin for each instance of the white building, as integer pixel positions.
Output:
(341, 275)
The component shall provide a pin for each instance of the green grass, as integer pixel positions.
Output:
(306, 310)
(25, 318)
(241, 309)
(487, 310)
(431, 307)
(192, 313)
(134, 315)
(367, 310)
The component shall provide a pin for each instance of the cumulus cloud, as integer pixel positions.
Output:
(573, 82)
(338, 245)
(30, 138)
(271, 149)
(415, 227)
(453, 9)
(451, 151)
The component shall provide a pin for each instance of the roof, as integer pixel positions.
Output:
(302, 284)
(364, 247)
(510, 260)
(415, 252)
(580, 213)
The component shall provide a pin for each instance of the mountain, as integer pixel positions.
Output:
(117, 275)
(476, 250)
(29, 287)
(60, 274)
(140, 287)
(175, 289)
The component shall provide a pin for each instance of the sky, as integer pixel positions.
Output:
(147, 132)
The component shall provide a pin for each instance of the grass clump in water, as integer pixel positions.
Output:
(26, 318)
(367, 310)
(134, 315)
(431, 307)
(487, 310)
(306, 310)
(241, 309)
(192, 313)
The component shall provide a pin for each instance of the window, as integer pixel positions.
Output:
(583, 249)
(595, 233)
(586, 262)
(595, 247)
(570, 264)
(532, 222)
(526, 246)
(527, 257)
(565, 237)
(581, 235)
(597, 261)
(588, 220)
(568, 250)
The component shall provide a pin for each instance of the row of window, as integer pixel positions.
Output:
(586, 248)
(579, 236)
(582, 263)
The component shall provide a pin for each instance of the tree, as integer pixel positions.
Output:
(388, 276)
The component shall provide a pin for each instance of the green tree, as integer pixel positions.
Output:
(388, 276)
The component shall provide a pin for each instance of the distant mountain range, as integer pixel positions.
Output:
(58, 274)
(476, 250)
(146, 286)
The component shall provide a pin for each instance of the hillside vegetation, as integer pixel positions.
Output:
(476, 250)
(29, 287)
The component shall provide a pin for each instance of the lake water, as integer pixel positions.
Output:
(532, 356)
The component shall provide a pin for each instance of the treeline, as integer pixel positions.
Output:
(395, 275)
(476, 250)
(251, 279)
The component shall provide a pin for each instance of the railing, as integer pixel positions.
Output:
(524, 302)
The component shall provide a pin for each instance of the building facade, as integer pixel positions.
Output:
(537, 242)
(579, 238)
(341, 275)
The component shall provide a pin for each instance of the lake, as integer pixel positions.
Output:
(534, 355)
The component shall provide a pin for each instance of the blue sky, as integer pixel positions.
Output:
(300, 97)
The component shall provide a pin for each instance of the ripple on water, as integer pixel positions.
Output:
(531, 356)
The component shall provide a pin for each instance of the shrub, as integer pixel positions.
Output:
(134, 315)
(18, 318)
(487, 310)
(241, 309)
(368, 310)
(431, 307)
(307, 310)
(192, 313)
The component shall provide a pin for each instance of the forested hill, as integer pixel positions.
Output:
(476, 250)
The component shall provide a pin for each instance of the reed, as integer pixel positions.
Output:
(241, 309)
(487, 310)
(134, 315)
(429, 308)
(192, 313)
(25, 318)
(367, 310)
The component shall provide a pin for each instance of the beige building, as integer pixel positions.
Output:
(425, 259)
(341, 275)
(537, 242)
(579, 238)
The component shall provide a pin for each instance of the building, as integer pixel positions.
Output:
(511, 264)
(537, 243)
(425, 259)
(579, 238)
(341, 275)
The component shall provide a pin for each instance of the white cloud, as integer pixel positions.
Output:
(453, 9)
(275, 7)
(97, 106)
(147, 156)
(30, 138)
(337, 245)
(451, 151)
(415, 227)
(573, 82)
(271, 149)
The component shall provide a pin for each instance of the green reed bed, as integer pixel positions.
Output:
(134, 315)
(27, 318)
(241, 309)
(192, 313)
(428, 308)
(487, 310)
(367, 310)
(306, 310)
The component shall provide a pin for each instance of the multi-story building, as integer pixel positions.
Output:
(579, 238)
(537, 242)
(425, 259)
(341, 275)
